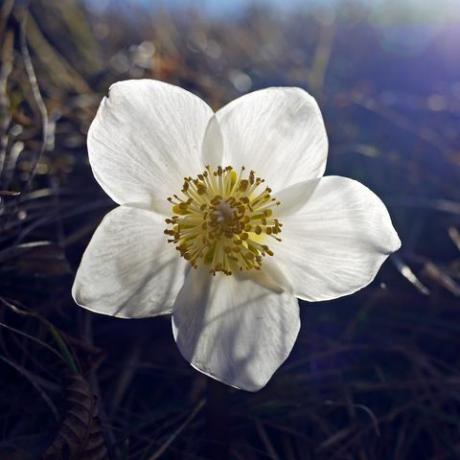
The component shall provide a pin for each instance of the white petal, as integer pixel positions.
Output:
(294, 197)
(335, 244)
(234, 330)
(277, 132)
(272, 277)
(128, 269)
(213, 144)
(147, 135)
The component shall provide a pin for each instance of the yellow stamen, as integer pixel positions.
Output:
(222, 219)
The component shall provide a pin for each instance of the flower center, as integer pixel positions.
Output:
(222, 220)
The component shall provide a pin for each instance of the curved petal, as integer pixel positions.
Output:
(147, 135)
(277, 132)
(213, 144)
(335, 244)
(234, 330)
(128, 269)
(294, 197)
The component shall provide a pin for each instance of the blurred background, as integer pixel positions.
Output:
(375, 375)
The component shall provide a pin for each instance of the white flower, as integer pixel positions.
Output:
(248, 208)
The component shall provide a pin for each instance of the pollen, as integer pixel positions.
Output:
(224, 220)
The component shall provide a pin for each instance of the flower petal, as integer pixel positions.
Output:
(277, 132)
(335, 244)
(294, 197)
(213, 144)
(128, 269)
(234, 330)
(147, 135)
